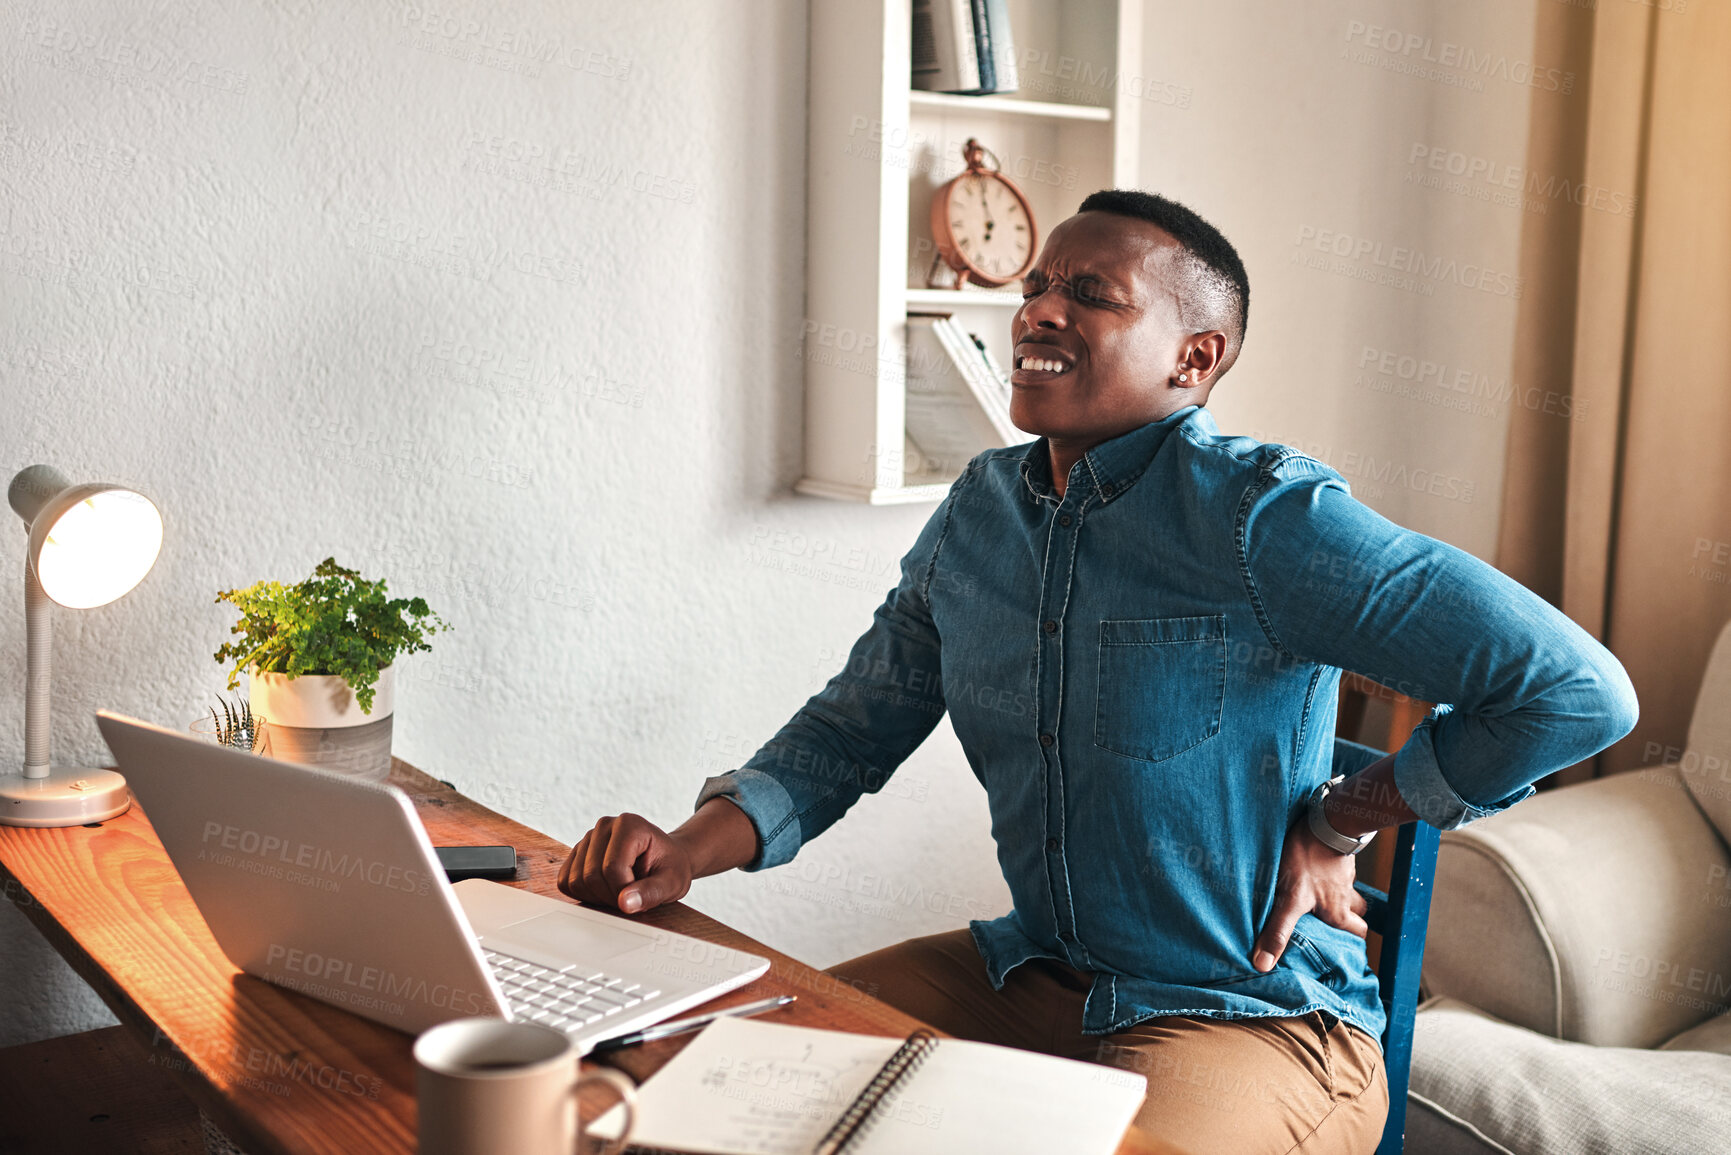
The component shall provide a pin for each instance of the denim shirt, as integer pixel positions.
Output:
(1143, 675)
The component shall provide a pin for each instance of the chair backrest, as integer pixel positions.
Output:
(1401, 917)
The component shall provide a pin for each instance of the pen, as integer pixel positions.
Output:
(680, 1026)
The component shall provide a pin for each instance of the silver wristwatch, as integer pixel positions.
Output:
(1326, 834)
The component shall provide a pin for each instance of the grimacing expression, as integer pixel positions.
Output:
(1098, 337)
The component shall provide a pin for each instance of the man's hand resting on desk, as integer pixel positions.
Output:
(629, 862)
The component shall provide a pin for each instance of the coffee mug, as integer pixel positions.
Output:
(487, 1086)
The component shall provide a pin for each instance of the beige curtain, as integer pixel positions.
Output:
(1619, 510)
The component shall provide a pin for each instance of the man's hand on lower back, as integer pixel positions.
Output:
(1315, 880)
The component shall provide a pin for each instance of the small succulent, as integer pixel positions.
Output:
(236, 726)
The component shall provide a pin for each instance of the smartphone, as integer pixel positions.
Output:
(495, 862)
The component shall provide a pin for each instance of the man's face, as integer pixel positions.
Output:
(1097, 303)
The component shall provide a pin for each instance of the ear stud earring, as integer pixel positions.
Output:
(1183, 376)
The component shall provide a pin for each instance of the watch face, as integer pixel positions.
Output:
(990, 226)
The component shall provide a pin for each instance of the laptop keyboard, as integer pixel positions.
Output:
(566, 1000)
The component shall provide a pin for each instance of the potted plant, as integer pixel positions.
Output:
(319, 657)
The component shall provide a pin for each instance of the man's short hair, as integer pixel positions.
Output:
(1212, 287)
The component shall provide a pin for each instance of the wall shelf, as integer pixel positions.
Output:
(961, 298)
(903, 494)
(1008, 106)
(876, 150)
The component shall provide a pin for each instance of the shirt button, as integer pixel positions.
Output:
(1050, 627)
(1045, 739)
(1107, 489)
(1051, 844)
(1064, 520)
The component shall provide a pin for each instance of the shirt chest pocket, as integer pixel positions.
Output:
(1162, 685)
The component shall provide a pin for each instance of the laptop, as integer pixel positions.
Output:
(329, 886)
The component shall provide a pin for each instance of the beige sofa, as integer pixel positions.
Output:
(1579, 963)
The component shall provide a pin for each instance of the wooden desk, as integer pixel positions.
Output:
(284, 1074)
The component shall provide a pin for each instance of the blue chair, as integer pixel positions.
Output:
(1400, 917)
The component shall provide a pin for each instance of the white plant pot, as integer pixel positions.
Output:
(314, 719)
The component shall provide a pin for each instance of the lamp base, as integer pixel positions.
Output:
(69, 796)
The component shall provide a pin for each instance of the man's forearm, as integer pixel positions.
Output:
(1367, 800)
(1522, 690)
(717, 838)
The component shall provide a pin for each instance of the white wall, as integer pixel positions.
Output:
(1294, 125)
(193, 299)
(246, 263)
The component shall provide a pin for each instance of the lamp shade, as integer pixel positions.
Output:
(89, 544)
(98, 548)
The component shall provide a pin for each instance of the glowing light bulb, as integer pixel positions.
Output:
(99, 549)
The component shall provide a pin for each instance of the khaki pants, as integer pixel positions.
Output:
(1236, 1086)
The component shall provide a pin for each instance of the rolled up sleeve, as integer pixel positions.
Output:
(851, 736)
(1522, 691)
(773, 812)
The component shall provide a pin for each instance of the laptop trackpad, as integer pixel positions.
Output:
(570, 939)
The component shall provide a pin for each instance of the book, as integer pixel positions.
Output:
(950, 414)
(983, 48)
(1004, 76)
(998, 377)
(991, 391)
(945, 54)
(749, 1087)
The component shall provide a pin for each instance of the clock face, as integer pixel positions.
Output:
(989, 226)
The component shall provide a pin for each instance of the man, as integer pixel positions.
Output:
(1173, 608)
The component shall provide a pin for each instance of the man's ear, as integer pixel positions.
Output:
(1203, 357)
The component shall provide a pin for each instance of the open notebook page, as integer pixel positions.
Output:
(746, 1087)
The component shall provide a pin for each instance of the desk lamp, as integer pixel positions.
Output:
(89, 544)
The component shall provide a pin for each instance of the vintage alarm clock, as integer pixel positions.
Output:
(983, 225)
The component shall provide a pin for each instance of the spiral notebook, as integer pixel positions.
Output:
(747, 1087)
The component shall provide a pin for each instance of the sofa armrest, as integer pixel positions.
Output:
(1599, 913)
